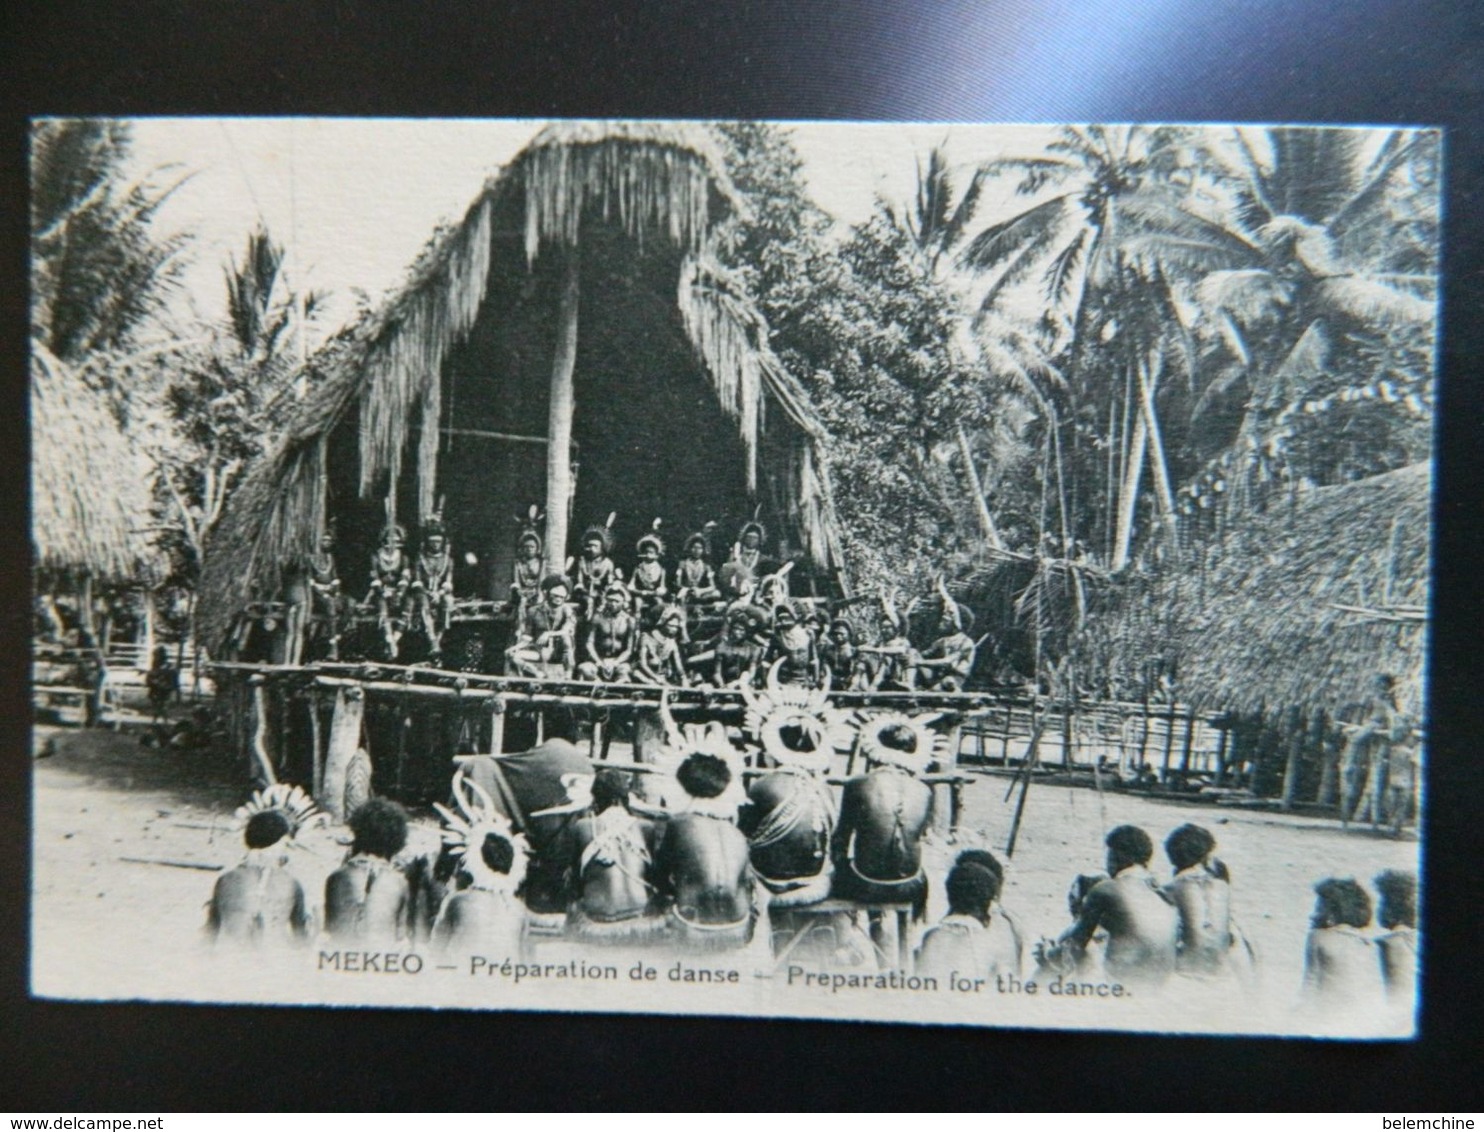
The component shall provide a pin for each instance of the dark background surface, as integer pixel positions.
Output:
(1363, 61)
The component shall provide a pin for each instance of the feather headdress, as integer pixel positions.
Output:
(652, 538)
(681, 742)
(927, 745)
(530, 527)
(297, 807)
(465, 829)
(804, 711)
(602, 532)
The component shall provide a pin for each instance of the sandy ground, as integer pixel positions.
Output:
(129, 840)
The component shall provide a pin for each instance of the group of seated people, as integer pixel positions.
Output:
(698, 869)
(718, 628)
(694, 865)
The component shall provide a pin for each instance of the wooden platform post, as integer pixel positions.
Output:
(559, 418)
(497, 725)
(345, 739)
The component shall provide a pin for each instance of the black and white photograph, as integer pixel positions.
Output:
(927, 573)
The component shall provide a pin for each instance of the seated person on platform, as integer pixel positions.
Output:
(841, 658)
(390, 577)
(1398, 947)
(595, 569)
(613, 633)
(324, 594)
(368, 897)
(432, 582)
(695, 580)
(659, 660)
(877, 845)
(616, 900)
(738, 585)
(481, 912)
(976, 938)
(701, 864)
(1201, 892)
(946, 665)
(648, 580)
(527, 573)
(748, 549)
(545, 647)
(894, 658)
(1142, 924)
(794, 645)
(1341, 968)
(259, 902)
(738, 653)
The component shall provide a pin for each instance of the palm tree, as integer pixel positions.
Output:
(1317, 293)
(1110, 316)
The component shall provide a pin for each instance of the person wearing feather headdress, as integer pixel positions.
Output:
(595, 569)
(546, 646)
(790, 812)
(432, 582)
(648, 579)
(976, 938)
(529, 567)
(617, 902)
(390, 578)
(368, 897)
(946, 664)
(659, 660)
(702, 865)
(794, 645)
(748, 549)
(326, 604)
(259, 902)
(893, 668)
(608, 646)
(480, 911)
(877, 844)
(695, 580)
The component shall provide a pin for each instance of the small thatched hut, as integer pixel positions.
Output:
(570, 342)
(89, 486)
(1287, 620)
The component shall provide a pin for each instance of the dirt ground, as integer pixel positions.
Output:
(128, 841)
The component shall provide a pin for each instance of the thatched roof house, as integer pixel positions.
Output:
(1299, 607)
(570, 342)
(89, 486)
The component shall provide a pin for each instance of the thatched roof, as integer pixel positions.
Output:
(658, 182)
(89, 486)
(1298, 607)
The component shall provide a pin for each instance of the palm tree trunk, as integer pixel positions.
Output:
(559, 426)
(1162, 486)
(1133, 472)
(976, 489)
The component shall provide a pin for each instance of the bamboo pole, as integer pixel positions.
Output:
(562, 405)
(1032, 755)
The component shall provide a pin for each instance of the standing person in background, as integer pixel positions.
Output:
(162, 683)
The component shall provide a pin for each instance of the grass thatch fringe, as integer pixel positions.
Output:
(405, 367)
(90, 489)
(1254, 623)
(659, 180)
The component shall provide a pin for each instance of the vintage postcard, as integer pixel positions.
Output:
(925, 573)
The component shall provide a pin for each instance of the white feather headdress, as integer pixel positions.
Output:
(700, 739)
(297, 807)
(466, 830)
(928, 745)
(807, 710)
